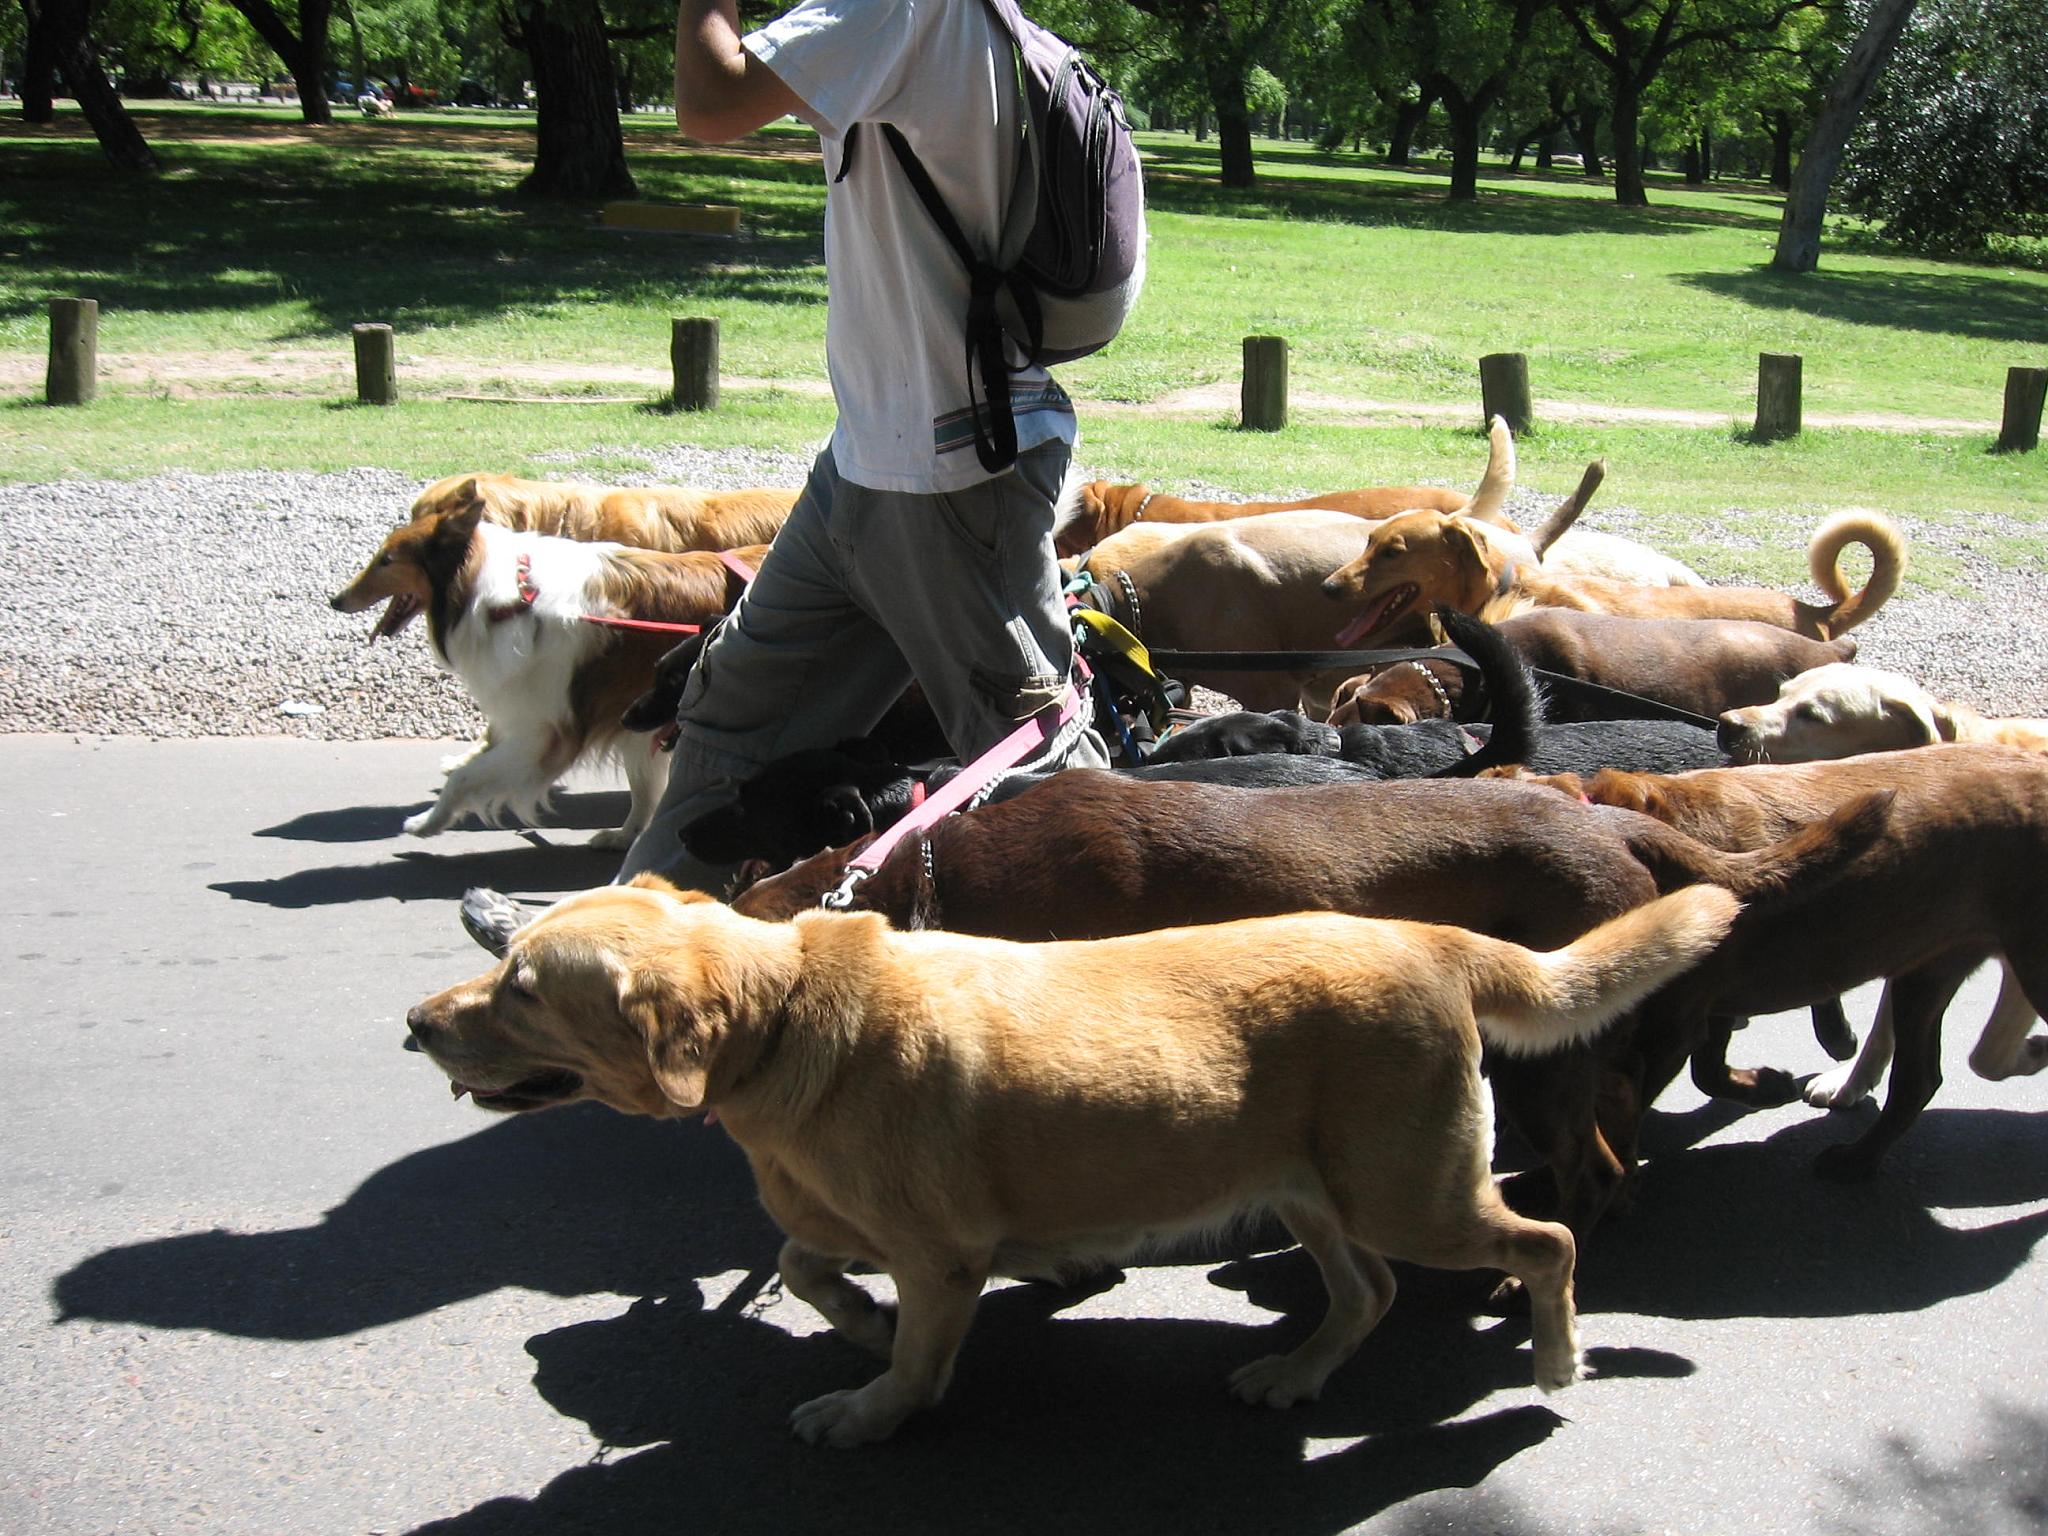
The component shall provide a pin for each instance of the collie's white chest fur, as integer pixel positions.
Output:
(518, 658)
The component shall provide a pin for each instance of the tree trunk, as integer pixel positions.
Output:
(1465, 119)
(1408, 117)
(38, 68)
(1781, 150)
(1694, 172)
(1584, 127)
(580, 150)
(303, 53)
(86, 78)
(1806, 204)
(1706, 153)
(1233, 123)
(1628, 148)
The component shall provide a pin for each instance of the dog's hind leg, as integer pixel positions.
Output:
(936, 1301)
(1855, 1082)
(1918, 1001)
(1832, 1029)
(1361, 1289)
(2006, 1049)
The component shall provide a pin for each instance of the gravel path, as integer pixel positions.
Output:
(195, 605)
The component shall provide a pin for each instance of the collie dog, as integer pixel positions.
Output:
(506, 613)
(671, 517)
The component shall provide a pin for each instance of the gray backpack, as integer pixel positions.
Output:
(1072, 258)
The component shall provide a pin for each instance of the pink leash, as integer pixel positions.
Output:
(972, 779)
(726, 558)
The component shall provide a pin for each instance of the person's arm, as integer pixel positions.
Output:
(722, 91)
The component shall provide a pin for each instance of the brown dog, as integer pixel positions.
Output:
(670, 517)
(1702, 665)
(1958, 876)
(937, 1106)
(1420, 560)
(1089, 855)
(1102, 509)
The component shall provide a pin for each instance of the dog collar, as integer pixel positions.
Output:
(1143, 505)
(528, 592)
(1436, 687)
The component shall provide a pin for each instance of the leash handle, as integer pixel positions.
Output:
(956, 792)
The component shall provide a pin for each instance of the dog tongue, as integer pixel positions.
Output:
(1357, 629)
(397, 614)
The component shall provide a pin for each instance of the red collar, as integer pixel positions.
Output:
(527, 593)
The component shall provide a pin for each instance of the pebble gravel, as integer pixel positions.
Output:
(196, 605)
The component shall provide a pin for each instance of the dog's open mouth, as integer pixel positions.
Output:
(398, 613)
(535, 1092)
(1380, 614)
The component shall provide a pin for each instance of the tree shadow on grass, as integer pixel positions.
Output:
(1956, 303)
(416, 239)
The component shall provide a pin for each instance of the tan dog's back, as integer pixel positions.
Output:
(666, 517)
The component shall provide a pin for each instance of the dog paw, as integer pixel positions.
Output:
(1835, 1090)
(843, 1420)
(1554, 1375)
(1277, 1381)
(612, 837)
(422, 825)
(1508, 1299)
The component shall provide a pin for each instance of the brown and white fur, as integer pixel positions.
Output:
(551, 686)
(671, 517)
(1843, 709)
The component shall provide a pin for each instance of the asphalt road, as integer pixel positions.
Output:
(259, 1273)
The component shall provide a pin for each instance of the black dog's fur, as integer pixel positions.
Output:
(828, 797)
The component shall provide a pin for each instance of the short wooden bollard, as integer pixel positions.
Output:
(73, 377)
(376, 365)
(1262, 401)
(2025, 391)
(1504, 391)
(1777, 396)
(693, 356)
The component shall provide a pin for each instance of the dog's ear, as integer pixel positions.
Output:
(680, 1033)
(839, 816)
(1927, 719)
(466, 493)
(647, 880)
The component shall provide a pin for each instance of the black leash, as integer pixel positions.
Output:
(1635, 705)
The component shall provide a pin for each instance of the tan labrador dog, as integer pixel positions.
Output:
(948, 1108)
(1843, 710)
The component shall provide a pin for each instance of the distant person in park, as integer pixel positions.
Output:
(904, 558)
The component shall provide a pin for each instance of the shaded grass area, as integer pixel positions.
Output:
(265, 235)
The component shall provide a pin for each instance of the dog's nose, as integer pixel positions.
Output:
(418, 1027)
(1332, 587)
(334, 602)
(1730, 734)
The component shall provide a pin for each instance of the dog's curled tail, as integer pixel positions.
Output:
(1528, 1002)
(1887, 545)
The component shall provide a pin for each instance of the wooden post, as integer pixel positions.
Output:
(73, 377)
(1504, 391)
(1777, 396)
(1262, 401)
(2025, 391)
(693, 355)
(376, 365)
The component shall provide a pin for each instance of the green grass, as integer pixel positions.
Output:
(244, 264)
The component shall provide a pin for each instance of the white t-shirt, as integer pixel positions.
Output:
(895, 327)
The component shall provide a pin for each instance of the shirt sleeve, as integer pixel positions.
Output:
(844, 58)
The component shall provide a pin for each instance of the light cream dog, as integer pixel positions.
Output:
(1842, 710)
(950, 1108)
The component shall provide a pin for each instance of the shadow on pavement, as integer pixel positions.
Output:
(1080, 1425)
(411, 876)
(571, 1202)
(592, 809)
